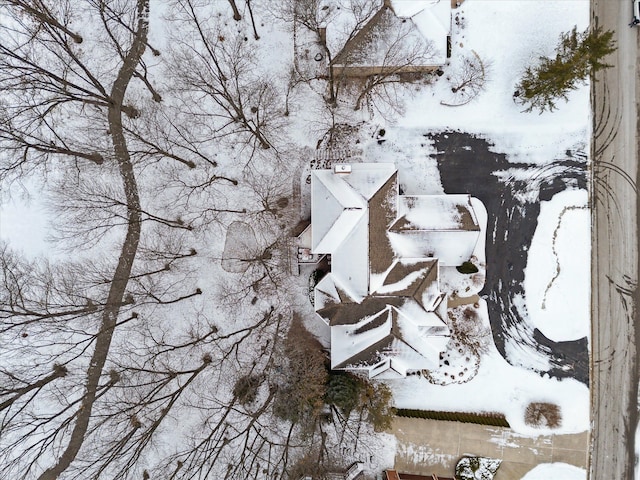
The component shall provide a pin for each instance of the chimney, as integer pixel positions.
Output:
(342, 168)
(322, 33)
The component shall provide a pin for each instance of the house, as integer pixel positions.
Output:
(403, 37)
(382, 298)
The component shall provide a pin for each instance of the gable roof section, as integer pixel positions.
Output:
(408, 8)
(337, 207)
(353, 313)
(337, 231)
(434, 23)
(368, 178)
(338, 202)
(351, 261)
(415, 278)
(340, 206)
(326, 293)
(383, 210)
(361, 343)
(435, 213)
(442, 226)
(365, 333)
(432, 17)
(386, 41)
(389, 342)
(351, 217)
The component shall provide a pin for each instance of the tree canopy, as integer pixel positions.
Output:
(578, 55)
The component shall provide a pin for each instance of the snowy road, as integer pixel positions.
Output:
(614, 355)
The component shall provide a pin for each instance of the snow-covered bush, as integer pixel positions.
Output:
(477, 468)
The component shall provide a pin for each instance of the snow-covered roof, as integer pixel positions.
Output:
(450, 247)
(368, 178)
(338, 201)
(412, 277)
(382, 298)
(348, 341)
(337, 207)
(435, 212)
(387, 337)
(326, 293)
(391, 39)
(408, 8)
(434, 23)
(441, 226)
(352, 260)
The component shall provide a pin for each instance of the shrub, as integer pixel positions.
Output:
(350, 392)
(314, 463)
(468, 329)
(543, 414)
(486, 418)
(467, 268)
(377, 400)
(343, 391)
(246, 388)
(301, 396)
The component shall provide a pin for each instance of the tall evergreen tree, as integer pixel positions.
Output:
(578, 56)
(343, 391)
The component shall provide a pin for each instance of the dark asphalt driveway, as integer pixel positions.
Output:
(467, 165)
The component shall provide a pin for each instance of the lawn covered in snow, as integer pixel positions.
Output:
(560, 253)
(23, 222)
(503, 35)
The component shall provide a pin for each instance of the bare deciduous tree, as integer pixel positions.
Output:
(218, 78)
(109, 352)
(387, 86)
(63, 108)
(316, 16)
(468, 78)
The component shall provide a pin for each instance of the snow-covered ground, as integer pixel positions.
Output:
(504, 37)
(560, 253)
(561, 471)
(23, 222)
(500, 387)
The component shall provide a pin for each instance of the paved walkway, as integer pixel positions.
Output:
(432, 446)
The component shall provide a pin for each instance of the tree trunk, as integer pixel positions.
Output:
(129, 248)
(253, 22)
(236, 14)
